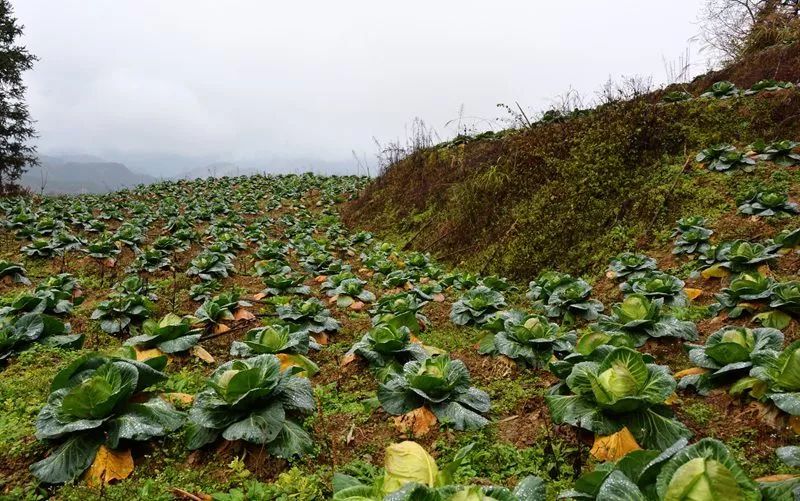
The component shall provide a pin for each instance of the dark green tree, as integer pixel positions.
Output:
(16, 126)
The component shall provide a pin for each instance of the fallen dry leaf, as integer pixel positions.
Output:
(259, 296)
(794, 424)
(690, 372)
(770, 415)
(178, 398)
(693, 294)
(109, 465)
(348, 359)
(776, 478)
(417, 422)
(243, 314)
(715, 272)
(751, 306)
(220, 329)
(142, 355)
(613, 447)
(321, 338)
(357, 306)
(201, 353)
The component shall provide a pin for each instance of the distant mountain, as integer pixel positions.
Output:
(81, 174)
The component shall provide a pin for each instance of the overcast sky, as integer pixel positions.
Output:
(249, 79)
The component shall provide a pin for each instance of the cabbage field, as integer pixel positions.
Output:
(232, 339)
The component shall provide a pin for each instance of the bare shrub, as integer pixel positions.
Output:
(732, 28)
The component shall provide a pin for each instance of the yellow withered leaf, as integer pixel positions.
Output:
(613, 447)
(715, 271)
(764, 270)
(287, 361)
(693, 294)
(109, 465)
(672, 399)
(750, 306)
(794, 424)
(432, 350)
(348, 359)
(178, 398)
(417, 422)
(220, 329)
(776, 478)
(690, 372)
(142, 355)
(243, 314)
(202, 354)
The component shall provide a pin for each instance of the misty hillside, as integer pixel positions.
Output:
(81, 175)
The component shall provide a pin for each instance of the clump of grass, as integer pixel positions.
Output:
(701, 413)
(24, 388)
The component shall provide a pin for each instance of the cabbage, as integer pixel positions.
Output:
(789, 366)
(172, 334)
(704, 471)
(528, 339)
(620, 391)
(253, 400)
(476, 305)
(97, 400)
(615, 383)
(702, 479)
(442, 385)
(728, 355)
(389, 344)
(408, 462)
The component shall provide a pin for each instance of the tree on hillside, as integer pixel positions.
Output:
(16, 126)
(733, 28)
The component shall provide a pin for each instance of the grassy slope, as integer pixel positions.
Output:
(571, 195)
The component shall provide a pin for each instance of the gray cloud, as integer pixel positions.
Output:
(248, 79)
